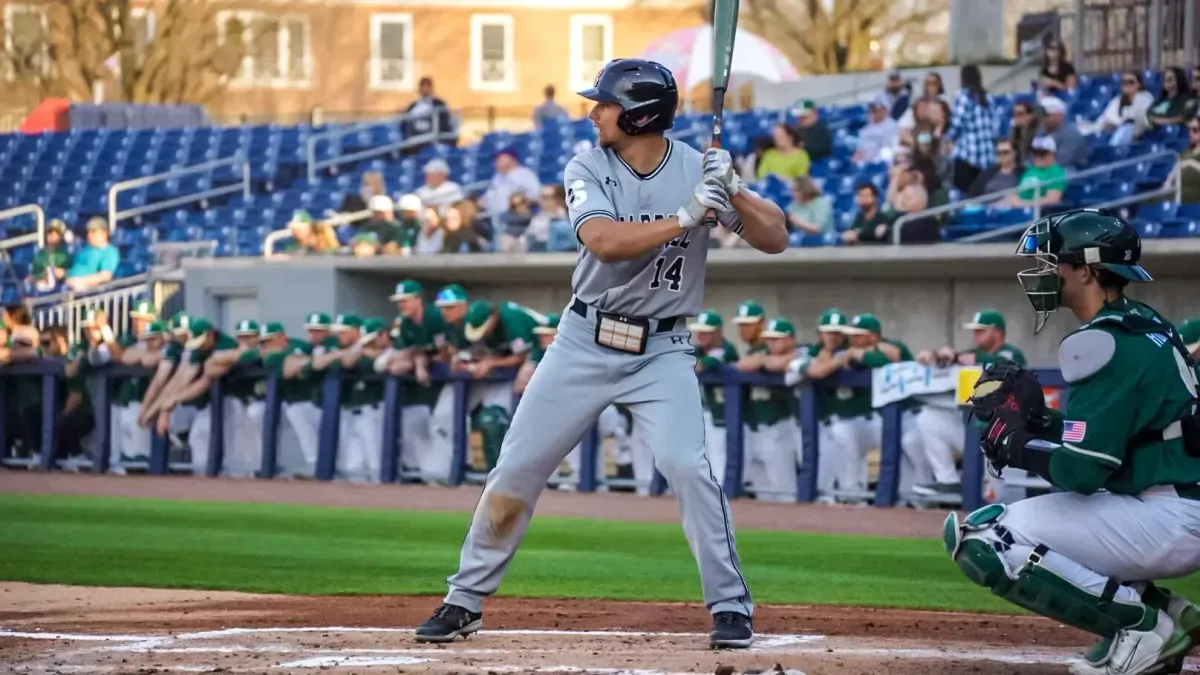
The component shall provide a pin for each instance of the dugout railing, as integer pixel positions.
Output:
(887, 485)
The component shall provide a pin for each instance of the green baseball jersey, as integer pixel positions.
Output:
(876, 359)
(358, 392)
(173, 352)
(428, 335)
(713, 395)
(1127, 377)
(513, 333)
(197, 357)
(295, 390)
(314, 378)
(72, 384)
(845, 402)
(768, 405)
(1006, 353)
(130, 389)
(247, 388)
(455, 335)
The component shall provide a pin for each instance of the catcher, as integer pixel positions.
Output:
(1126, 456)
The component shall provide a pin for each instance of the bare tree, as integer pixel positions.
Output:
(66, 47)
(834, 36)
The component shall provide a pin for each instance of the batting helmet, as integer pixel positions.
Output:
(645, 90)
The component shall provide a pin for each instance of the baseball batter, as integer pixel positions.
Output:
(637, 203)
(712, 352)
(1126, 455)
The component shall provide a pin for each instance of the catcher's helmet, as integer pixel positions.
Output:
(645, 90)
(1083, 237)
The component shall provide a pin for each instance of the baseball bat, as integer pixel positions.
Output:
(724, 28)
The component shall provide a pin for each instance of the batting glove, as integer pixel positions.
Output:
(709, 194)
(718, 164)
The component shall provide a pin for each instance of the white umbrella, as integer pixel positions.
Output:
(687, 53)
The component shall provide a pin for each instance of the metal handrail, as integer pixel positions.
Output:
(1172, 186)
(432, 137)
(38, 237)
(237, 160)
(898, 226)
(69, 307)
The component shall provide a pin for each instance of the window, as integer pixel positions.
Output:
(391, 51)
(591, 47)
(493, 67)
(26, 40)
(275, 49)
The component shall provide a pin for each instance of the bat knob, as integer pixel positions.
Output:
(710, 219)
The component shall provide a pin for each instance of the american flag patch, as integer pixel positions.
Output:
(1074, 431)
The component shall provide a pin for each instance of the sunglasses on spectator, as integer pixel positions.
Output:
(1003, 151)
(1194, 128)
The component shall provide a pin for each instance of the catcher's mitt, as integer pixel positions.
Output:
(1009, 403)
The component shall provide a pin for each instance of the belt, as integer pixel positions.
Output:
(658, 325)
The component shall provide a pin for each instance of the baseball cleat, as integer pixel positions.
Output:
(447, 623)
(731, 630)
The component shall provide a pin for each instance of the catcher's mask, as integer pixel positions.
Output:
(1041, 283)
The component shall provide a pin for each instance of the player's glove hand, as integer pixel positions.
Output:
(718, 163)
(709, 194)
(1009, 405)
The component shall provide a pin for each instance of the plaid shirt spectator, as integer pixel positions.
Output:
(973, 129)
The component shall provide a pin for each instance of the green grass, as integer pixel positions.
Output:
(293, 549)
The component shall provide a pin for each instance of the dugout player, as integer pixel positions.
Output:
(637, 203)
(1126, 455)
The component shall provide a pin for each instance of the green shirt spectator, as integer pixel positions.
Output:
(871, 225)
(1045, 177)
(51, 262)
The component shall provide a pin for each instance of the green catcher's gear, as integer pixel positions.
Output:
(979, 546)
(1084, 237)
(492, 423)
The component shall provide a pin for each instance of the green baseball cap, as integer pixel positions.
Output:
(300, 217)
(270, 329)
(862, 324)
(750, 312)
(833, 320)
(154, 328)
(1189, 332)
(804, 105)
(198, 329)
(407, 289)
(479, 314)
(451, 295)
(365, 238)
(179, 323)
(985, 318)
(779, 327)
(246, 327)
(317, 321)
(550, 327)
(144, 309)
(373, 325)
(347, 321)
(706, 322)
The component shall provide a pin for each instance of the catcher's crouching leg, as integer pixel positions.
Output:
(1056, 587)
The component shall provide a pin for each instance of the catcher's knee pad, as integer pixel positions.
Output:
(987, 553)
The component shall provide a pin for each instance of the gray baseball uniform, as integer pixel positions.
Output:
(579, 377)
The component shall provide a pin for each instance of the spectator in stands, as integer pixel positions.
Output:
(439, 191)
(302, 231)
(877, 140)
(550, 225)
(1005, 174)
(1057, 74)
(786, 159)
(1189, 191)
(810, 211)
(1176, 96)
(748, 165)
(1072, 150)
(15, 315)
(932, 89)
(930, 116)
(515, 222)
(1125, 116)
(408, 231)
(1023, 130)
(432, 235)
(1192, 109)
(814, 135)
(906, 192)
(365, 245)
(871, 225)
(372, 185)
(973, 126)
(97, 263)
(325, 238)
(51, 262)
(460, 234)
(382, 222)
(511, 177)
(548, 110)
(423, 113)
(930, 147)
(1044, 177)
(899, 92)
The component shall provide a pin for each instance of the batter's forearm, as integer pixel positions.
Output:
(613, 241)
(763, 224)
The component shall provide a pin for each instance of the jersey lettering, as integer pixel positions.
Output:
(671, 273)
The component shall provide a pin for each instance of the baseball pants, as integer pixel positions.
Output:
(416, 445)
(128, 439)
(441, 422)
(289, 460)
(304, 417)
(360, 444)
(843, 453)
(201, 430)
(715, 447)
(777, 449)
(610, 424)
(576, 380)
(914, 467)
(942, 433)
